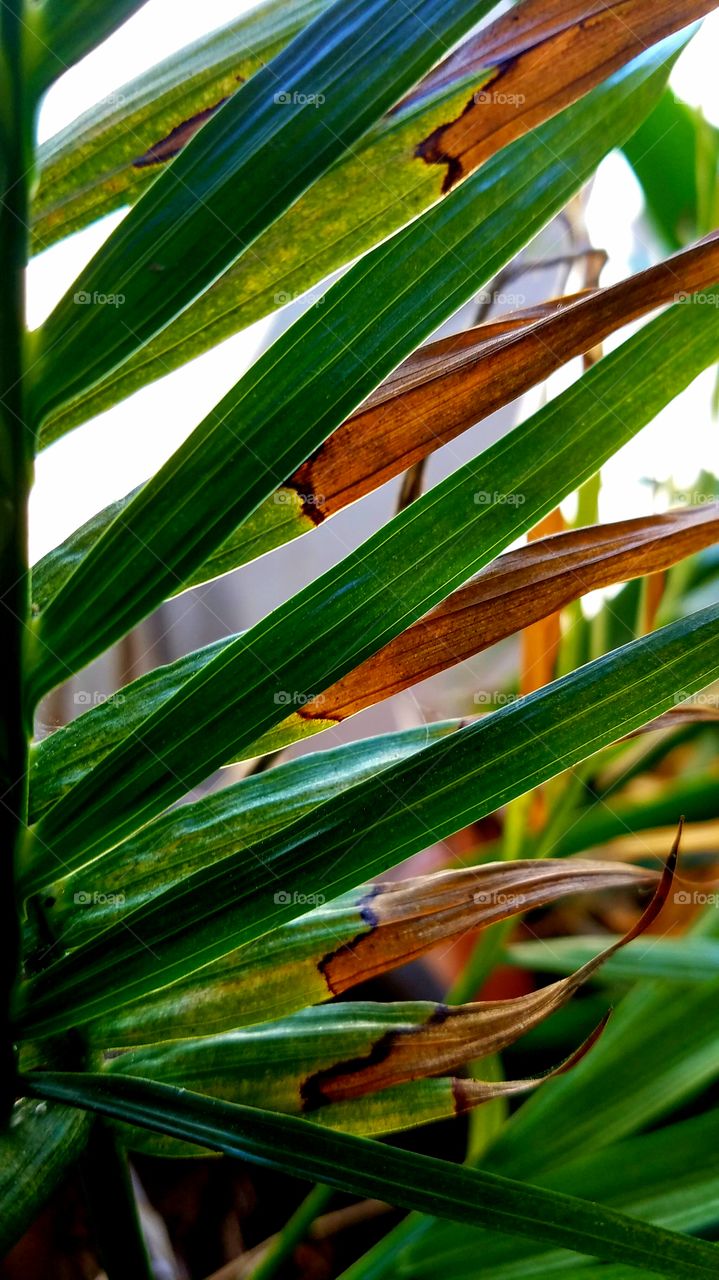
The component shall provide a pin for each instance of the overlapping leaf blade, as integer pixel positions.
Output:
(409, 806)
(337, 1054)
(517, 589)
(375, 1115)
(322, 1058)
(535, 60)
(352, 939)
(393, 579)
(204, 832)
(248, 163)
(201, 903)
(322, 367)
(668, 1177)
(359, 1166)
(658, 1052)
(95, 164)
(438, 392)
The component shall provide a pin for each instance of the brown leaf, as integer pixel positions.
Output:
(516, 590)
(545, 54)
(540, 641)
(449, 385)
(452, 1036)
(341, 944)
(472, 1093)
(677, 716)
(409, 917)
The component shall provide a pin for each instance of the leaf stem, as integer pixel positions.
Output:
(294, 1230)
(113, 1208)
(16, 453)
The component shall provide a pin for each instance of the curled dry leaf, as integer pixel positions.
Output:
(514, 75)
(440, 391)
(403, 1106)
(354, 938)
(449, 385)
(517, 590)
(338, 1055)
(452, 1036)
(544, 53)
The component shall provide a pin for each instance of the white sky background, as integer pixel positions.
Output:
(95, 464)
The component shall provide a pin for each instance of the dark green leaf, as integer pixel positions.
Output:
(62, 32)
(669, 1177)
(391, 580)
(376, 824)
(249, 162)
(318, 371)
(363, 1168)
(36, 1152)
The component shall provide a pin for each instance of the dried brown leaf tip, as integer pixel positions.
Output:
(468, 1094)
(401, 920)
(517, 590)
(449, 1037)
(451, 384)
(541, 58)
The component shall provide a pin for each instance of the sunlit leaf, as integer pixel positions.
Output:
(343, 942)
(440, 391)
(365, 1168)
